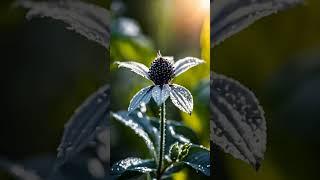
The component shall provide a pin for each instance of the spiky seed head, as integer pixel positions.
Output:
(161, 70)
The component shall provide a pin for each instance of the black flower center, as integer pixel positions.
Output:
(161, 71)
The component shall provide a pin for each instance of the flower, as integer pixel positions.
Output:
(161, 72)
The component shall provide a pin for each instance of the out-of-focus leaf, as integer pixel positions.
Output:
(205, 40)
(141, 127)
(88, 120)
(90, 21)
(199, 159)
(132, 167)
(238, 125)
(18, 171)
(85, 166)
(229, 17)
(127, 41)
(126, 27)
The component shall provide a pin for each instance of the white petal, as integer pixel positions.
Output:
(184, 64)
(181, 98)
(136, 67)
(160, 95)
(143, 96)
(169, 58)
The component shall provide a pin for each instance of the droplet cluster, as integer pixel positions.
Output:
(161, 71)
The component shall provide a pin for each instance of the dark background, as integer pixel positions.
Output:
(46, 73)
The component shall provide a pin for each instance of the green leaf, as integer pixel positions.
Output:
(174, 168)
(199, 159)
(184, 150)
(148, 128)
(141, 126)
(176, 132)
(174, 152)
(132, 167)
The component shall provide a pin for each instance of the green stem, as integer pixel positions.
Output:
(162, 139)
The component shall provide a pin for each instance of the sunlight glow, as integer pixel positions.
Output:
(204, 5)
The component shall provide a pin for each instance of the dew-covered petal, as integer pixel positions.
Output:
(143, 96)
(91, 21)
(238, 125)
(160, 94)
(136, 67)
(184, 64)
(228, 17)
(181, 98)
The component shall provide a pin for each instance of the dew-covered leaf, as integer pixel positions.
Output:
(229, 17)
(136, 67)
(175, 132)
(143, 96)
(174, 168)
(199, 159)
(184, 64)
(141, 126)
(181, 98)
(160, 94)
(238, 125)
(132, 167)
(87, 121)
(18, 171)
(89, 20)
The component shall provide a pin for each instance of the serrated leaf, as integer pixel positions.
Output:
(181, 98)
(238, 125)
(87, 121)
(141, 127)
(89, 20)
(199, 159)
(228, 17)
(129, 166)
(18, 170)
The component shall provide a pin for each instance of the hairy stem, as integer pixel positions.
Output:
(162, 139)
